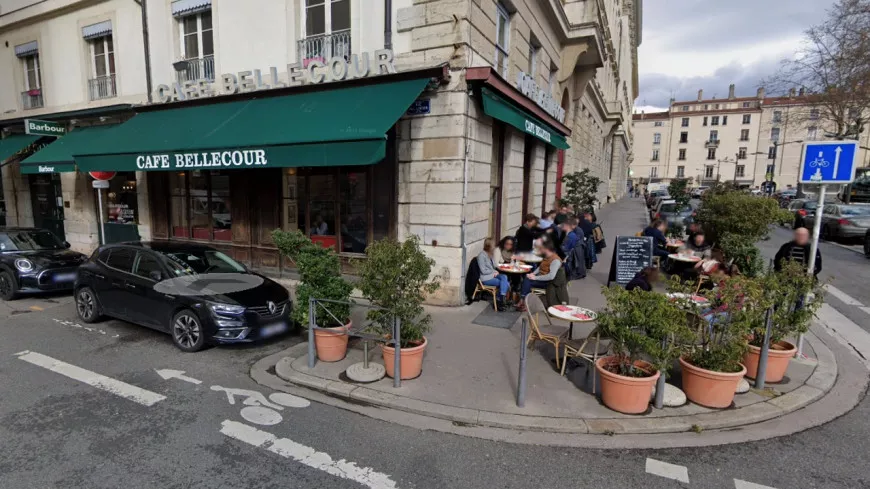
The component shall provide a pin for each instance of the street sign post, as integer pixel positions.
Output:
(99, 185)
(44, 128)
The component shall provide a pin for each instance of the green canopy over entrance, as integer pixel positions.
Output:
(10, 146)
(57, 157)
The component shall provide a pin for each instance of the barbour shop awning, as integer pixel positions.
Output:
(11, 145)
(344, 126)
(57, 157)
(499, 108)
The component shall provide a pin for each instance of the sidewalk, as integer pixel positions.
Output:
(470, 372)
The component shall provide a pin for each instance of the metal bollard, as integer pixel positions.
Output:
(397, 361)
(765, 347)
(660, 383)
(521, 380)
(311, 325)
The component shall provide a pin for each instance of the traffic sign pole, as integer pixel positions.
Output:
(814, 247)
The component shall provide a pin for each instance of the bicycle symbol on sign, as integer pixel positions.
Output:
(260, 410)
(820, 162)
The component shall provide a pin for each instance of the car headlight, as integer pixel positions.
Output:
(23, 265)
(226, 309)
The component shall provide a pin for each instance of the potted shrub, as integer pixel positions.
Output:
(395, 278)
(638, 323)
(787, 291)
(320, 278)
(712, 371)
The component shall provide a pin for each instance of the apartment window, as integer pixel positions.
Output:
(533, 57)
(740, 171)
(684, 137)
(774, 134)
(102, 82)
(685, 108)
(812, 133)
(747, 118)
(741, 153)
(682, 154)
(771, 153)
(685, 122)
(197, 46)
(657, 138)
(746, 105)
(854, 113)
(777, 116)
(714, 121)
(658, 124)
(724, 120)
(711, 153)
(654, 172)
(814, 114)
(326, 24)
(770, 169)
(655, 155)
(744, 134)
(32, 96)
(716, 106)
(714, 135)
(681, 172)
(708, 171)
(502, 39)
(705, 121)
(706, 107)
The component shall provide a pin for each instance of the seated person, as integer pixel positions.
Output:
(505, 251)
(527, 233)
(697, 245)
(489, 273)
(707, 266)
(644, 279)
(656, 231)
(570, 240)
(544, 274)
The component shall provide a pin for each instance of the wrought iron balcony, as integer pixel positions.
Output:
(323, 47)
(196, 69)
(713, 143)
(32, 99)
(102, 87)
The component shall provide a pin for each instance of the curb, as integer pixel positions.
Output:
(820, 382)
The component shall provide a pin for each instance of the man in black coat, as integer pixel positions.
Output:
(798, 249)
(528, 233)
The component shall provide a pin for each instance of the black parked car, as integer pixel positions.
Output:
(34, 260)
(195, 293)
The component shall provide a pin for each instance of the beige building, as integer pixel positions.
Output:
(516, 94)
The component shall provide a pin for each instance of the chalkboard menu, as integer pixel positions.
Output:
(630, 255)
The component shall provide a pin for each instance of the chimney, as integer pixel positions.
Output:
(760, 93)
(700, 95)
(731, 92)
(802, 92)
(791, 92)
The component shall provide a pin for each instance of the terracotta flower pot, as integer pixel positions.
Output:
(331, 343)
(629, 395)
(778, 358)
(708, 388)
(411, 361)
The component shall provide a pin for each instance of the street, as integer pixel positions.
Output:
(114, 405)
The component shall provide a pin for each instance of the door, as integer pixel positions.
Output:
(45, 195)
(115, 297)
(144, 305)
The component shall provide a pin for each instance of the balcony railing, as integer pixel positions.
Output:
(102, 87)
(713, 143)
(197, 68)
(32, 99)
(323, 47)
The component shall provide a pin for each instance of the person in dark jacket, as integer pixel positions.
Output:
(563, 215)
(570, 239)
(656, 231)
(528, 233)
(644, 279)
(798, 249)
(698, 245)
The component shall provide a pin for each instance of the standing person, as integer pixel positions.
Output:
(489, 273)
(798, 249)
(505, 251)
(656, 231)
(546, 221)
(571, 240)
(564, 213)
(545, 273)
(527, 233)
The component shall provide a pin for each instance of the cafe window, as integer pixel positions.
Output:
(200, 205)
(122, 205)
(2, 205)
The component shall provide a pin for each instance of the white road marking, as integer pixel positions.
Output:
(844, 297)
(666, 470)
(865, 309)
(846, 332)
(289, 400)
(261, 415)
(739, 484)
(307, 456)
(167, 374)
(108, 384)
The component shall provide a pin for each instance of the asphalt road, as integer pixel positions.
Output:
(64, 427)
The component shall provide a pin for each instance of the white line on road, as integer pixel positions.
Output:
(739, 484)
(307, 455)
(666, 470)
(846, 332)
(865, 309)
(108, 384)
(844, 297)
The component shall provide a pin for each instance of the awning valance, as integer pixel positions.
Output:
(499, 108)
(181, 8)
(27, 49)
(101, 29)
(343, 126)
(12, 145)
(57, 157)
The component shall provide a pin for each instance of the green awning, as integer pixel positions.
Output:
(345, 126)
(57, 157)
(11, 145)
(498, 108)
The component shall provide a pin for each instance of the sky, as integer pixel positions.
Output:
(707, 44)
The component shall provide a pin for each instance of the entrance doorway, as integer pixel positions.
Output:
(45, 194)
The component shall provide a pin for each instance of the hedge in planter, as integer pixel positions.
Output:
(648, 332)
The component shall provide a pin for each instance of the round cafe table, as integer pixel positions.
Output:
(518, 271)
(696, 300)
(684, 258)
(528, 257)
(572, 314)
(674, 244)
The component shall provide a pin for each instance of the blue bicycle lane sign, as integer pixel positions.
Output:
(829, 162)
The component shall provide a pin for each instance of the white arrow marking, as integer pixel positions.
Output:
(167, 374)
(739, 484)
(837, 160)
(666, 470)
(306, 455)
(108, 384)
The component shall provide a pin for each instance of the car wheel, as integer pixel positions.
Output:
(87, 306)
(187, 332)
(8, 286)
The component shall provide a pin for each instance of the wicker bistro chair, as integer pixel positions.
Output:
(534, 306)
(590, 348)
(492, 289)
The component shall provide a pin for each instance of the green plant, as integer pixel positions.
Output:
(395, 278)
(581, 191)
(725, 212)
(676, 231)
(744, 254)
(678, 190)
(643, 325)
(320, 278)
(795, 297)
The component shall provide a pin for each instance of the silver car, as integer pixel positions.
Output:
(841, 221)
(667, 210)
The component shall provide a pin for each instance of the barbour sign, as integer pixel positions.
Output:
(43, 128)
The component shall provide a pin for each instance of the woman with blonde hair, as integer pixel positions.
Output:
(489, 273)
